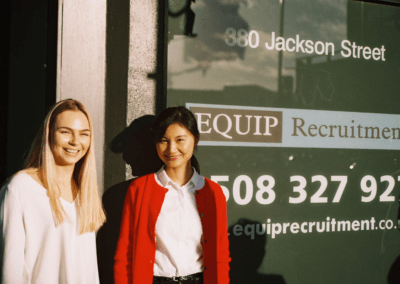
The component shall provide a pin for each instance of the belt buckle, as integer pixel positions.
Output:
(179, 278)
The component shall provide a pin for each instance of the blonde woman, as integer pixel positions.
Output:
(51, 209)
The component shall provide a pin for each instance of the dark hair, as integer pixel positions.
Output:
(181, 116)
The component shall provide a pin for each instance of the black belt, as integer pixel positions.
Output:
(179, 279)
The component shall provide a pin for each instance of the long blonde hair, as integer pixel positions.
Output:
(89, 207)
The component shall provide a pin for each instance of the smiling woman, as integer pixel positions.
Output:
(176, 151)
(174, 224)
(70, 137)
(51, 209)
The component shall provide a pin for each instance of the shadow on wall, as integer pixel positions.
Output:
(247, 255)
(394, 273)
(138, 151)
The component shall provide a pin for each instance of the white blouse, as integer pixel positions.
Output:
(178, 228)
(34, 249)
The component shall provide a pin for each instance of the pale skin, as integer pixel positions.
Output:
(175, 149)
(69, 143)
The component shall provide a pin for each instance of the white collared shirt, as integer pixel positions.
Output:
(178, 228)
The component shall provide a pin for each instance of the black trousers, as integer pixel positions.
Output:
(178, 282)
(193, 279)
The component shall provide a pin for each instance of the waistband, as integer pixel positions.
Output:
(191, 277)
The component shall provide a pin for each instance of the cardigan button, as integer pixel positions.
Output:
(202, 215)
(205, 267)
(197, 192)
(205, 241)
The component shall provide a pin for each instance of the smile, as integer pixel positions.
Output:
(71, 151)
(172, 158)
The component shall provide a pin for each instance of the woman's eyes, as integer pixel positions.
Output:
(87, 134)
(178, 140)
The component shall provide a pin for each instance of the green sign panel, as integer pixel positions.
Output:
(298, 105)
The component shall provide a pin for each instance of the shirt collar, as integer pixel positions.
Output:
(165, 179)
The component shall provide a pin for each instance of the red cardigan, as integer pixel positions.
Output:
(136, 249)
